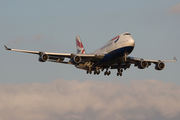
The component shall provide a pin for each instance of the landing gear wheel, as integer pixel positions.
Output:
(109, 73)
(105, 73)
(117, 74)
(98, 72)
(120, 74)
(95, 72)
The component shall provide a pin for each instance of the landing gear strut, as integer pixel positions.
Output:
(119, 73)
(89, 71)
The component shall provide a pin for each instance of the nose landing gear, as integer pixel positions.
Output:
(119, 73)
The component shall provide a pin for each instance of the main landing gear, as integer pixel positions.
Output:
(119, 73)
(107, 72)
(96, 72)
(89, 72)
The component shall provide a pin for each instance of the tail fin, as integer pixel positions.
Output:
(79, 46)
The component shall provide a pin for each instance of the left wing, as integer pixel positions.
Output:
(59, 57)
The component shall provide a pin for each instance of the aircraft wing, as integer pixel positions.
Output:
(57, 56)
(133, 60)
(126, 62)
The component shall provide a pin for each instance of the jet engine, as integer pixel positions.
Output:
(76, 59)
(142, 64)
(43, 58)
(159, 66)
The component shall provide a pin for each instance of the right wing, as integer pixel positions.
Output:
(59, 57)
(140, 63)
(133, 60)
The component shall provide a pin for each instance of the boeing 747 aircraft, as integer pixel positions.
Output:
(113, 55)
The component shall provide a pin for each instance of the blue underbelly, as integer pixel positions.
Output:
(117, 53)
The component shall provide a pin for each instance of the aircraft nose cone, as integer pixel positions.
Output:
(131, 42)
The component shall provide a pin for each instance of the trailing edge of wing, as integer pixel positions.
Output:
(58, 61)
(153, 61)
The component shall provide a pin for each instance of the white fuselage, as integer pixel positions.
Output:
(117, 46)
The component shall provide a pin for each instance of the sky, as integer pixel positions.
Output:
(56, 91)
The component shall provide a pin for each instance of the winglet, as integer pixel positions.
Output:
(7, 47)
(175, 59)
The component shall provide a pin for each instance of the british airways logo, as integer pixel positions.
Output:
(80, 48)
(80, 51)
(115, 39)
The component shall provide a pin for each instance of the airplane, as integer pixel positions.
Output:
(113, 55)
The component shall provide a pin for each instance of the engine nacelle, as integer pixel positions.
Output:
(43, 58)
(142, 64)
(160, 66)
(76, 59)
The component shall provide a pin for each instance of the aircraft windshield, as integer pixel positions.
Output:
(127, 34)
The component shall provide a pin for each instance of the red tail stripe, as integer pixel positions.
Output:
(83, 51)
(79, 43)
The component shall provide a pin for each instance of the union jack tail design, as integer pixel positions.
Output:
(79, 46)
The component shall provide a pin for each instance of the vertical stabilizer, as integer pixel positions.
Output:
(79, 46)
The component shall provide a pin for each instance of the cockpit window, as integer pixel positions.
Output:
(127, 34)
